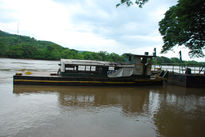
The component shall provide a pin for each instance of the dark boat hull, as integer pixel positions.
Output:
(73, 81)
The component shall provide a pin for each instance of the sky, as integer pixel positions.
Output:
(90, 25)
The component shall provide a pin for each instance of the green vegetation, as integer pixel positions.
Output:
(16, 46)
(175, 61)
(130, 2)
(183, 24)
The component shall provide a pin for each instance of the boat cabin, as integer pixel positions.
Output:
(135, 65)
(85, 68)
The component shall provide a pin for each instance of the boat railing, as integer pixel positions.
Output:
(181, 69)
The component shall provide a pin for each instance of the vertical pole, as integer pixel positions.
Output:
(155, 52)
(180, 57)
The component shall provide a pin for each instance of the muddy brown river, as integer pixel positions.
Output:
(83, 111)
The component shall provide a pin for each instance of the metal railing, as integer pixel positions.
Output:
(179, 69)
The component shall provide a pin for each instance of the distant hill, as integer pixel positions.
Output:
(17, 46)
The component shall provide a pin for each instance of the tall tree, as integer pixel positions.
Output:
(184, 25)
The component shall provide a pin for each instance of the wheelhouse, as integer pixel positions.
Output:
(142, 63)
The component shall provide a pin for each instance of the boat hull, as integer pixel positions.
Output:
(72, 81)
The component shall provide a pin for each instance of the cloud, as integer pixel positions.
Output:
(93, 25)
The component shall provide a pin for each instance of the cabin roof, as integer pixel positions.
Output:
(87, 62)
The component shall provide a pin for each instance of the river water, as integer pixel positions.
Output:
(55, 111)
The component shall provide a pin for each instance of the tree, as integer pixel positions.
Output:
(161, 60)
(115, 58)
(2, 51)
(15, 52)
(88, 55)
(130, 2)
(176, 61)
(184, 24)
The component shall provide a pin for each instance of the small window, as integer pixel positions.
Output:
(99, 69)
(130, 58)
(93, 68)
(69, 68)
(81, 68)
(111, 68)
(87, 68)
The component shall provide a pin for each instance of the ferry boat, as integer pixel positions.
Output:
(135, 71)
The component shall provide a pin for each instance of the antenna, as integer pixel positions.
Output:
(155, 52)
(18, 28)
(180, 55)
(18, 41)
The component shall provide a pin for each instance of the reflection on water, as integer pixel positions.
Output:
(169, 111)
(61, 111)
(86, 97)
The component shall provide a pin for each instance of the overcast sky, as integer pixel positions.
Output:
(89, 25)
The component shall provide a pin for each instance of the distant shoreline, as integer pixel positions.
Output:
(27, 59)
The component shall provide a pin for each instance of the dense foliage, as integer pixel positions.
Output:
(184, 24)
(16, 46)
(175, 61)
(130, 2)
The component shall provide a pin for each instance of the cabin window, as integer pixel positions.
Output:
(71, 68)
(111, 68)
(138, 60)
(143, 60)
(81, 68)
(93, 68)
(98, 69)
(130, 58)
(87, 68)
(68, 68)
